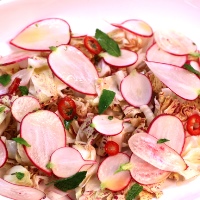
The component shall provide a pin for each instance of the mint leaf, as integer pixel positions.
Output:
(162, 141)
(23, 90)
(52, 48)
(105, 100)
(19, 175)
(191, 69)
(195, 54)
(71, 182)
(5, 79)
(2, 109)
(134, 191)
(107, 43)
(21, 141)
(67, 124)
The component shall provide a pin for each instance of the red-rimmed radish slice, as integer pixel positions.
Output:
(42, 34)
(136, 89)
(173, 131)
(136, 26)
(106, 125)
(3, 153)
(19, 192)
(182, 82)
(107, 172)
(78, 35)
(73, 68)
(44, 131)
(16, 57)
(126, 59)
(174, 42)
(24, 105)
(68, 161)
(161, 156)
(145, 173)
(156, 54)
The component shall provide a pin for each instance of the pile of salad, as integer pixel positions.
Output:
(110, 116)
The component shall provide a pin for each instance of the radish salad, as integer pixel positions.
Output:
(109, 116)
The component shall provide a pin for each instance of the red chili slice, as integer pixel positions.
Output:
(92, 45)
(67, 108)
(193, 125)
(111, 148)
(14, 86)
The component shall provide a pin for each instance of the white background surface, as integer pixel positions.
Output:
(84, 16)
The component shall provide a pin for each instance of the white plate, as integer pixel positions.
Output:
(84, 16)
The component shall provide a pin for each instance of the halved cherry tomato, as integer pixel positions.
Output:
(92, 45)
(193, 124)
(67, 108)
(14, 86)
(111, 148)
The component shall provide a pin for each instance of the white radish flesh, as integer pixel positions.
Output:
(156, 54)
(3, 153)
(173, 131)
(24, 105)
(136, 26)
(182, 82)
(195, 65)
(44, 131)
(136, 89)
(19, 192)
(67, 161)
(107, 176)
(161, 156)
(145, 173)
(73, 68)
(41, 35)
(107, 126)
(174, 42)
(126, 59)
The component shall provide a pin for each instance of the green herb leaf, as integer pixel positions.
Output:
(107, 43)
(92, 125)
(19, 175)
(105, 100)
(195, 54)
(52, 48)
(71, 182)
(67, 124)
(110, 117)
(134, 191)
(5, 79)
(191, 69)
(49, 165)
(21, 141)
(23, 90)
(124, 167)
(2, 109)
(162, 141)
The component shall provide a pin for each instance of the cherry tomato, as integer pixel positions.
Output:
(193, 124)
(67, 108)
(111, 148)
(14, 86)
(92, 45)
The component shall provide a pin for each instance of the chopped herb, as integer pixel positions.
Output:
(191, 69)
(2, 109)
(70, 112)
(110, 117)
(71, 182)
(134, 191)
(162, 141)
(21, 141)
(67, 124)
(195, 54)
(36, 25)
(124, 167)
(19, 175)
(52, 48)
(30, 67)
(92, 125)
(49, 165)
(5, 79)
(107, 43)
(23, 90)
(105, 100)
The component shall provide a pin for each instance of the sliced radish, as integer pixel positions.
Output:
(161, 156)
(69, 164)
(107, 126)
(179, 80)
(107, 172)
(19, 192)
(73, 68)
(42, 34)
(16, 57)
(174, 42)
(24, 105)
(173, 131)
(3, 153)
(44, 131)
(136, 89)
(145, 173)
(126, 59)
(136, 26)
(156, 54)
